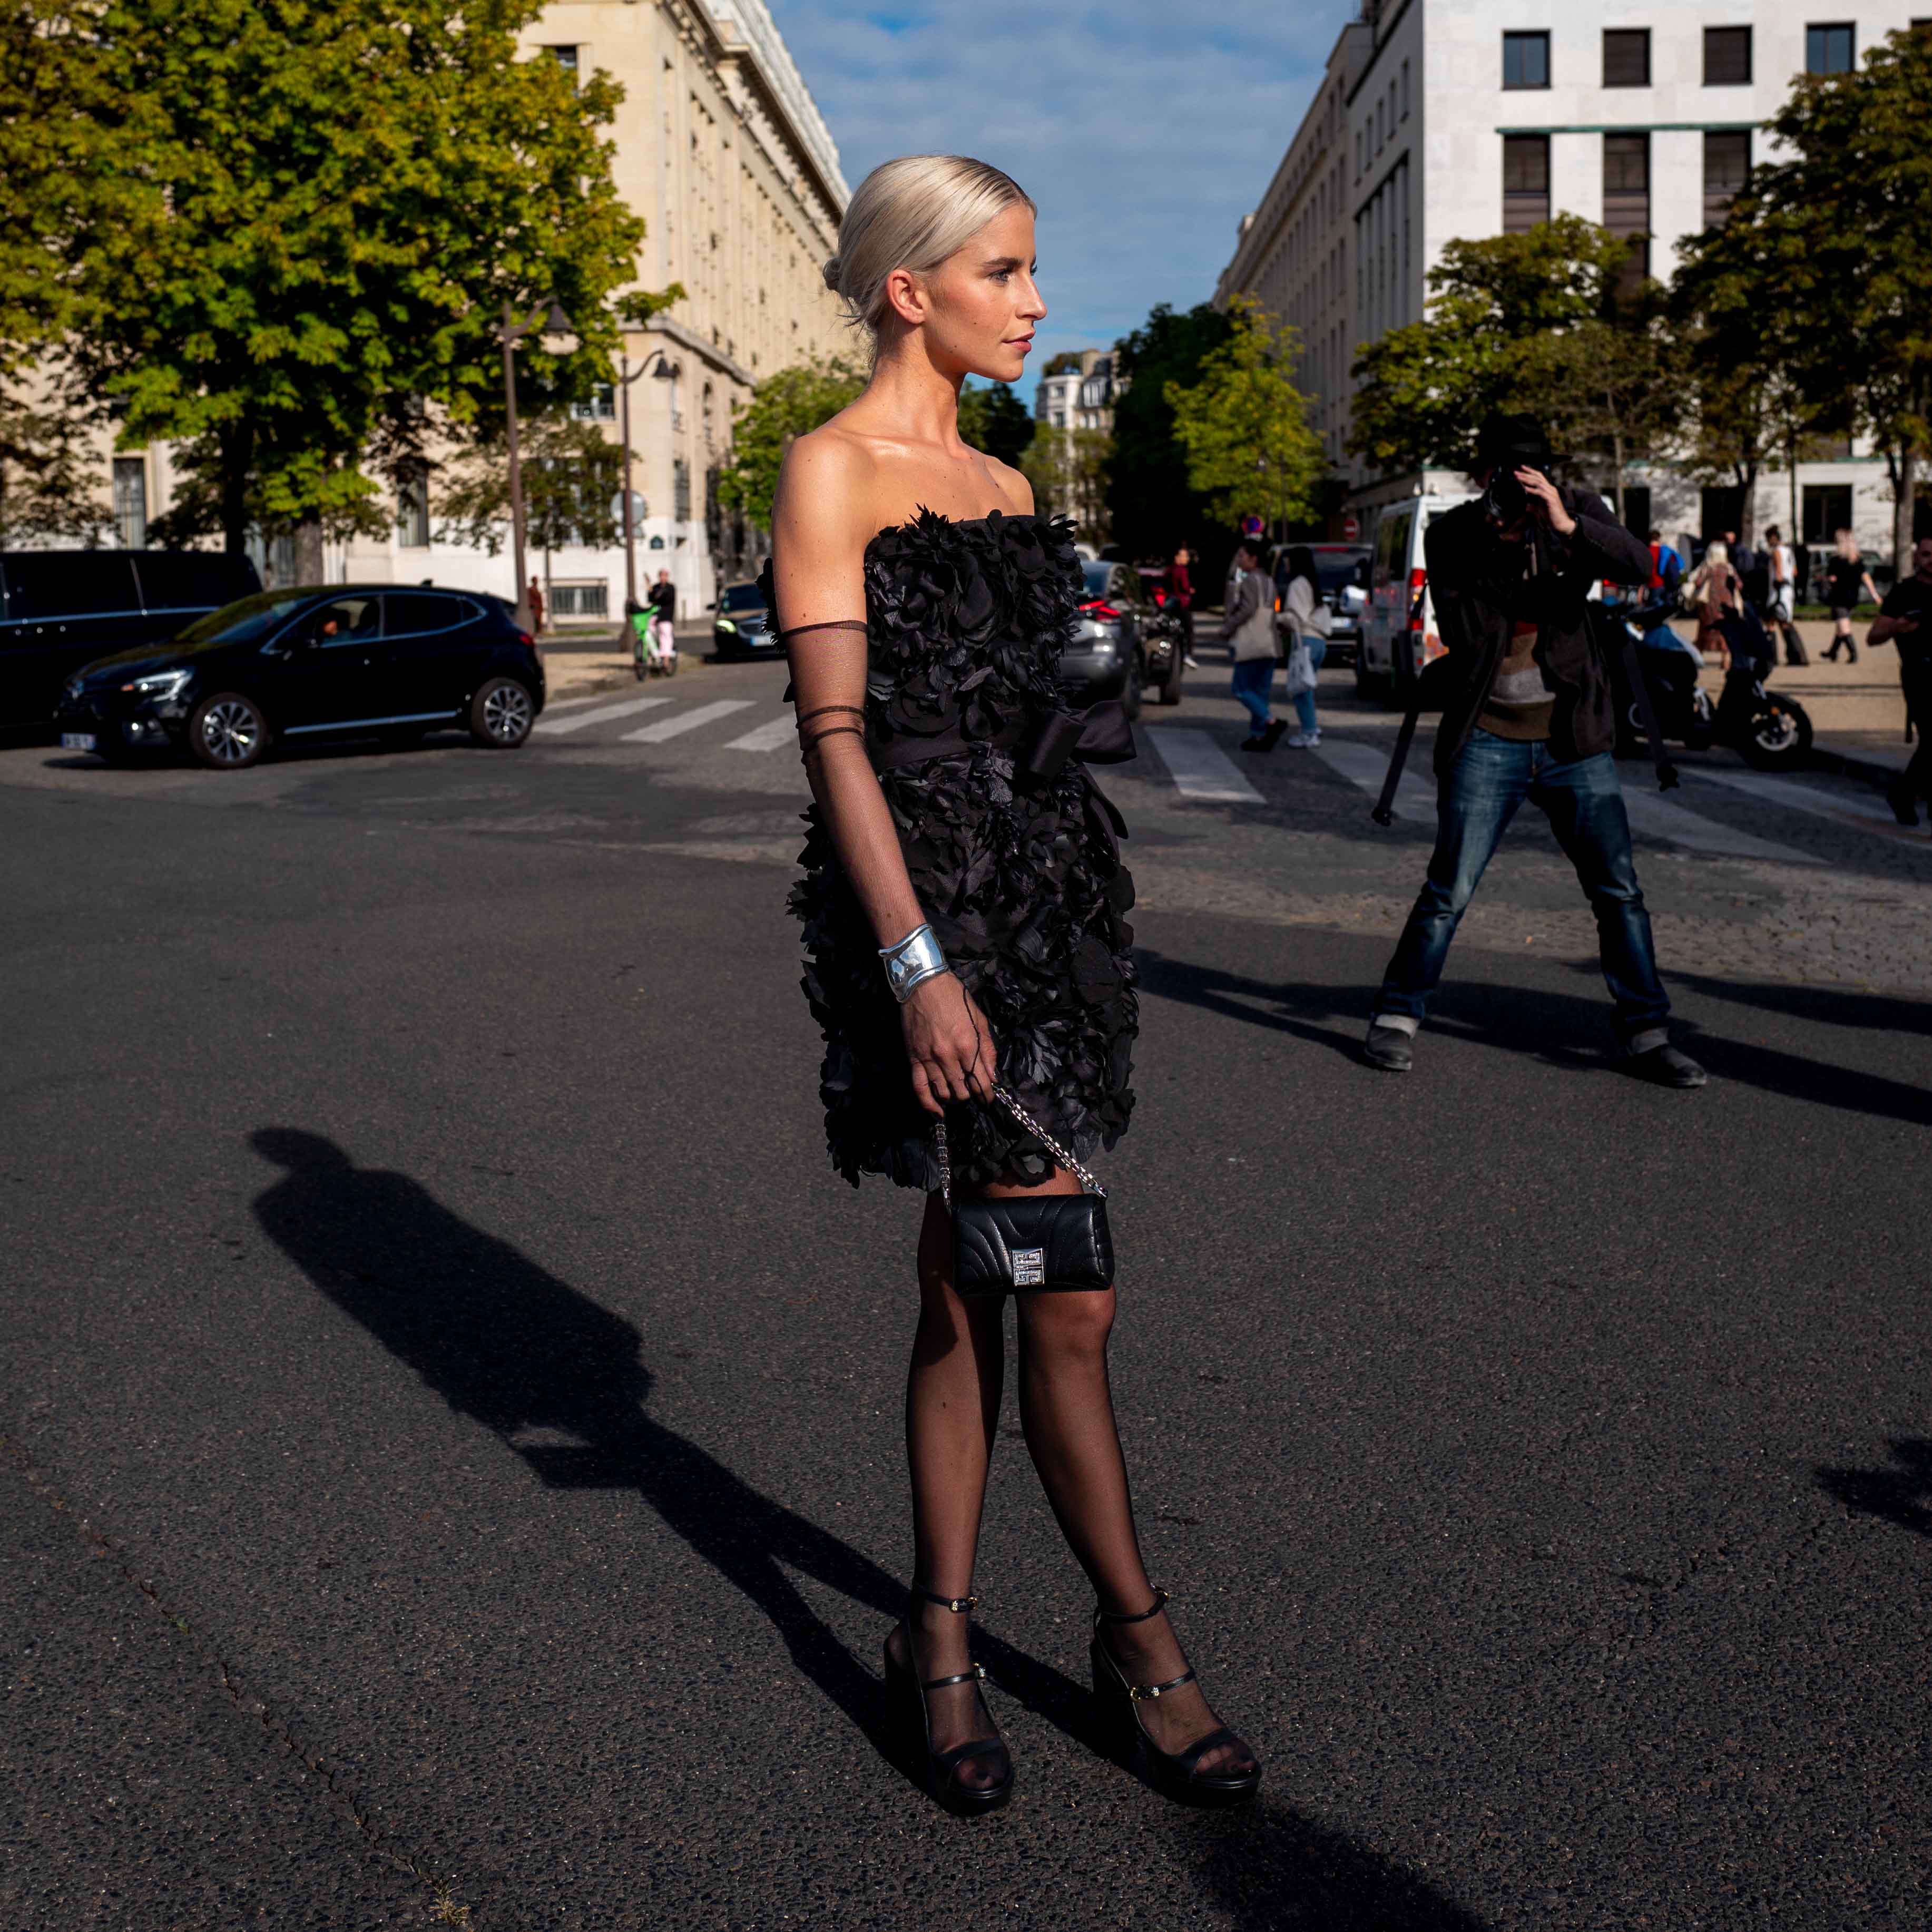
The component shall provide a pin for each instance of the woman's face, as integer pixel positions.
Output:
(979, 306)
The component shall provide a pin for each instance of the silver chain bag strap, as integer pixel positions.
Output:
(1040, 1242)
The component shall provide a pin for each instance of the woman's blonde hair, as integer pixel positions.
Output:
(1717, 551)
(912, 213)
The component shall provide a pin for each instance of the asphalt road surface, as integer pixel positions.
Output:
(450, 1409)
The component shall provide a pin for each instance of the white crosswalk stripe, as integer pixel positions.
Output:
(767, 737)
(549, 726)
(1657, 817)
(571, 704)
(1798, 796)
(1199, 766)
(677, 725)
(1367, 765)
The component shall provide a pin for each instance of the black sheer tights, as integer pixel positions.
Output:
(952, 1407)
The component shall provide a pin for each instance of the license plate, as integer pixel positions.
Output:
(77, 741)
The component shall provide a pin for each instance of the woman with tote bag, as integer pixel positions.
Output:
(1306, 617)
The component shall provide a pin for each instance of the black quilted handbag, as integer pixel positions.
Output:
(1048, 1242)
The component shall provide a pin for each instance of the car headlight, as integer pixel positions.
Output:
(162, 684)
(725, 624)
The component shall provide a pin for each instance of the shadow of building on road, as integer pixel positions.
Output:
(558, 1380)
(1903, 1495)
(1567, 1029)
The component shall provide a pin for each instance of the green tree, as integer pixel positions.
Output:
(49, 480)
(994, 419)
(1244, 424)
(1425, 388)
(572, 473)
(788, 403)
(319, 213)
(1068, 468)
(1842, 243)
(1152, 505)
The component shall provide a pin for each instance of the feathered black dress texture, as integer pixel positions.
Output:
(1023, 885)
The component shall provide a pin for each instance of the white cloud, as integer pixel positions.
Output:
(1144, 130)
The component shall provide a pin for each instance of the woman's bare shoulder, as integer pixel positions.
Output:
(826, 485)
(1015, 492)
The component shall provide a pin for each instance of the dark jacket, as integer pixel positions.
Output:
(1472, 578)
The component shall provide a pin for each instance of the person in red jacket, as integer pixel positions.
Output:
(1179, 586)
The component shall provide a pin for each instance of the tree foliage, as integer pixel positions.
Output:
(316, 215)
(1244, 425)
(789, 402)
(50, 489)
(570, 472)
(1068, 468)
(1152, 504)
(992, 418)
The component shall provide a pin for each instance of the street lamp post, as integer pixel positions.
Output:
(665, 371)
(558, 334)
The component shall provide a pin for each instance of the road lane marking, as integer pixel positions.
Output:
(571, 703)
(1801, 797)
(1656, 818)
(1366, 766)
(687, 720)
(1199, 766)
(555, 727)
(767, 737)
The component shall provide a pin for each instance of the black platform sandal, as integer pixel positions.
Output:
(1176, 1773)
(905, 1697)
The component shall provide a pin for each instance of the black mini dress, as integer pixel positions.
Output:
(1021, 882)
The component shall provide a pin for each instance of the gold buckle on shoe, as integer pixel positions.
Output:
(1138, 1691)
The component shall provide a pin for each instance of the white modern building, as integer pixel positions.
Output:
(1078, 391)
(1436, 121)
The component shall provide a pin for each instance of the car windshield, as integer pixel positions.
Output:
(241, 623)
(744, 597)
(1096, 576)
(1337, 573)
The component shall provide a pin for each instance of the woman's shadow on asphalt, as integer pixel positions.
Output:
(502, 1341)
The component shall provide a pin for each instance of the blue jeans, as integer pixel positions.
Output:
(1304, 700)
(1252, 678)
(1493, 776)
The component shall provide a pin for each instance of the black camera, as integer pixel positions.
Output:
(1505, 500)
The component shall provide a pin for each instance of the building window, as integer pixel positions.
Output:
(1627, 199)
(1404, 90)
(680, 490)
(412, 510)
(1831, 49)
(580, 600)
(1727, 162)
(602, 406)
(1525, 182)
(1827, 510)
(566, 59)
(1636, 508)
(1526, 60)
(1626, 56)
(130, 501)
(1727, 56)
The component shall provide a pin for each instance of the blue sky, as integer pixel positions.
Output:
(1144, 129)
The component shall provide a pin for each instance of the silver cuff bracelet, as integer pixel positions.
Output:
(917, 957)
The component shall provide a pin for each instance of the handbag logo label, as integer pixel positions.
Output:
(1029, 1268)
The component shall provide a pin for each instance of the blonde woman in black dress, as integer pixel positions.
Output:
(959, 927)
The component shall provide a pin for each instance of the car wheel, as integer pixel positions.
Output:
(227, 732)
(501, 714)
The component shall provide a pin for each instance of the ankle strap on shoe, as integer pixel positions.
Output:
(1160, 1602)
(958, 1605)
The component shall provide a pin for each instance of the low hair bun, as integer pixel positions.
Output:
(831, 272)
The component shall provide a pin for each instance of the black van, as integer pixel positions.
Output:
(60, 609)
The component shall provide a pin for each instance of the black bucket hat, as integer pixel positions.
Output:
(1513, 442)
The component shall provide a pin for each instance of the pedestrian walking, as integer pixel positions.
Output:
(1783, 607)
(1305, 618)
(664, 619)
(1848, 583)
(1905, 618)
(970, 961)
(1712, 594)
(1666, 569)
(534, 597)
(1248, 627)
(1177, 581)
(1527, 713)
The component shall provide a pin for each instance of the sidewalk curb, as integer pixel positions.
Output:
(1848, 764)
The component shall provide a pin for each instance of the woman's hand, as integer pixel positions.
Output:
(950, 1044)
(1546, 501)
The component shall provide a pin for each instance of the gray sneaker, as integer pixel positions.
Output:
(1390, 1048)
(1665, 1066)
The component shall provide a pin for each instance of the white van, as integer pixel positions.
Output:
(1398, 638)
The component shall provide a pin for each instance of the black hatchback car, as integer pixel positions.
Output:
(742, 627)
(60, 609)
(350, 660)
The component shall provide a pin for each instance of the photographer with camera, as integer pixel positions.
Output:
(1527, 713)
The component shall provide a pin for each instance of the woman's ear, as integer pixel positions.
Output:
(905, 297)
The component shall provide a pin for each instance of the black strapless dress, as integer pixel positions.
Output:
(1023, 886)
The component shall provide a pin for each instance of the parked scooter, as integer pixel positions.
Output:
(1771, 731)
(1164, 648)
